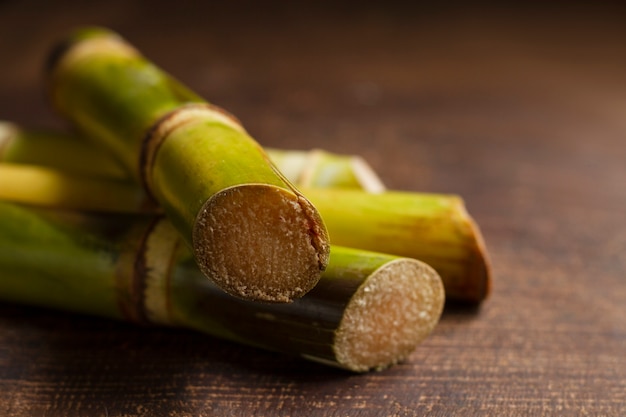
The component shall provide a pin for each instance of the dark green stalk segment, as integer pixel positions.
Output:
(48, 258)
(307, 325)
(250, 230)
(368, 312)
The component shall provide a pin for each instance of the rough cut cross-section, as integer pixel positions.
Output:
(393, 310)
(261, 242)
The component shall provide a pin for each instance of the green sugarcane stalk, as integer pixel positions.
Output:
(250, 229)
(74, 155)
(368, 311)
(434, 228)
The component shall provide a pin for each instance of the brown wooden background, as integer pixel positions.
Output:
(521, 110)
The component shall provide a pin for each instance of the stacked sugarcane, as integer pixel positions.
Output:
(160, 208)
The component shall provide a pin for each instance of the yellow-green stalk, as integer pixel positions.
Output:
(48, 148)
(72, 154)
(250, 230)
(42, 186)
(368, 311)
(434, 228)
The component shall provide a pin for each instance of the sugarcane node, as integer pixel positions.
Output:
(131, 273)
(396, 308)
(305, 178)
(159, 249)
(259, 241)
(136, 312)
(366, 176)
(159, 132)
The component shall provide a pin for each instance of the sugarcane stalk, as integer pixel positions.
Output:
(41, 186)
(434, 228)
(320, 169)
(251, 231)
(72, 154)
(368, 311)
(60, 150)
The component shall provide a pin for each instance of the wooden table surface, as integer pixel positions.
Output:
(522, 111)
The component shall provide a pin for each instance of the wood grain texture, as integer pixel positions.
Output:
(522, 111)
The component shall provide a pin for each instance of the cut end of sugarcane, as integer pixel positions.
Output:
(479, 279)
(482, 265)
(261, 242)
(389, 315)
